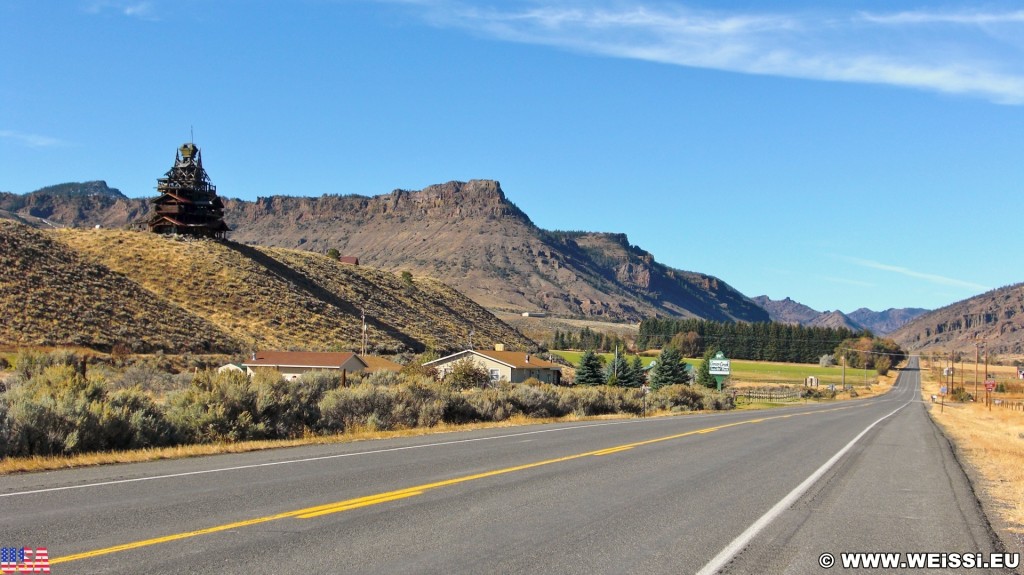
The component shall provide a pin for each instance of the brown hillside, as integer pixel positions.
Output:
(51, 296)
(994, 319)
(466, 234)
(287, 299)
(471, 237)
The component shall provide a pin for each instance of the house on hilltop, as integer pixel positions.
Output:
(511, 366)
(188, 203)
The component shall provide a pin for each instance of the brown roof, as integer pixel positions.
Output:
(301, 359)
(375, 363)
(518, 359)
(513, 359)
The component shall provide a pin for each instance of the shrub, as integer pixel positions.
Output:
(342, 409)
(960, 394)
(146, 378)
(216, 407)
(383, 377)
(677, 398)
(132, 420)
(59, 411)
(287, 409)
(537, 400)
(466, 374)
(29, 363)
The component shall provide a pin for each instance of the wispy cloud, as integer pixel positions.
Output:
(849, 282)
(972, 18)
(932, 278)
(142, 9)
(31, 140)
(974, 53)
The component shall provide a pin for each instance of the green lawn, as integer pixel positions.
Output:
(573, 357)
(761, 372)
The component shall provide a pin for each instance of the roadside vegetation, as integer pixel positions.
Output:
(990, 437)
(49, 407)
(751, 383)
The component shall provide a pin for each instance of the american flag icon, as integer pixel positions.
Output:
(24, 560)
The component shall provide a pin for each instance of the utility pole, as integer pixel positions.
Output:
(987, 394)
(977, 352)
(363, 347)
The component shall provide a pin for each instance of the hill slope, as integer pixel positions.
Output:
(246, 297)
(467, 235)
(50, 295)
(995, 319)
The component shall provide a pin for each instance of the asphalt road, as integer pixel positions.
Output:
(741, 492)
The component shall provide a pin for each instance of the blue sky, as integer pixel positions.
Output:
(850, 154)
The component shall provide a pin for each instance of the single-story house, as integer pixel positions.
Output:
(292, 364)
(511, 366)
(377, 363)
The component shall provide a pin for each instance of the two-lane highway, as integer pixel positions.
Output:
(749, 492)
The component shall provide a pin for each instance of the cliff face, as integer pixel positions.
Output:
(85, 204)
(994, 319)
(468, 235)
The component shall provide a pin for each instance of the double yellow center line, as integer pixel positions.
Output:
(349, 504)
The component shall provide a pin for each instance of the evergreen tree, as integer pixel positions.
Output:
(670, 369)
(704, 376)
(589, 371)
(616, 370)
(632, 374)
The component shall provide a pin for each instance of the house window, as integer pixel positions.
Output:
(495, 376)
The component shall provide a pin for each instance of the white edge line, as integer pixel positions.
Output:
(305, 460)
(737, 545)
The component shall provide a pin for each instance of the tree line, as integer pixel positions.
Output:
(764, 341)
(587, 338)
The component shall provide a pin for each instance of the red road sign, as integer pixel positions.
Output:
(990, 385)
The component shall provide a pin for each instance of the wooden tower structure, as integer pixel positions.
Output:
(188, 202)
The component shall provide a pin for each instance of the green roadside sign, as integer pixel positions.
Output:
(720, 367)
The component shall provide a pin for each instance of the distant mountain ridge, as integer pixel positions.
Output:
(994, 320)
(879, 323)
(75, 204)
(466, 234)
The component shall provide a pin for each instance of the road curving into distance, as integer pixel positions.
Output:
(738, 492)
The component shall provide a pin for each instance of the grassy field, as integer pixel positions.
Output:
(992, 440)
(760, 373)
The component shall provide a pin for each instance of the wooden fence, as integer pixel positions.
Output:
(770, 395)
(1011, 405)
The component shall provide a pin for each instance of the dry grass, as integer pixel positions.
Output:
(290, 299)
(991, 440)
